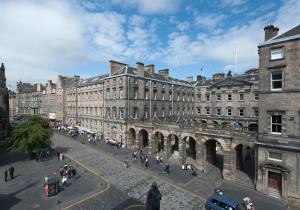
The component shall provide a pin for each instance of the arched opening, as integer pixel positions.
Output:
(143, 138)
(216, 124)
(159, 140)
(214, 153)
(173, 146)
(131, 136)
(253, 127)
(190, 147)
(245, 163)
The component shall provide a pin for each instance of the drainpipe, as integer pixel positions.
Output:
(150, 113)
(172, 99)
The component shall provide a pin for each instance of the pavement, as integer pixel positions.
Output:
(180, 190)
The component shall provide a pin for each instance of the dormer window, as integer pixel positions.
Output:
(276, 53)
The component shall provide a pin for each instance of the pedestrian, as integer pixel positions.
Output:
(64, 181)
(153, 198)
(157, 159)
(194, 173)
(61, 171)
(167, 168)
(146, 161)
(126, 163)
(11, 172)
(5, 173)
(161, 160)
(57, 154)
(74, 173)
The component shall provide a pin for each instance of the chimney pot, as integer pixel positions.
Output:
(270, 31)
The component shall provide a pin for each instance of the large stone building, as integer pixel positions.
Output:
(28, 98)
(279, 123)
(4, 105)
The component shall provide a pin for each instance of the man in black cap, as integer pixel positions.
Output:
(153, 198)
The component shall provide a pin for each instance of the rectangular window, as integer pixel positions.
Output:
(154, 94)
(276, 122)
(218, 97)
(135, 94)
(276, 80)
(241, 112)
(207, 97)
(121, 113)
(229, 112)
(277, 53)
(229, 97)
(146, 94)
(219, 112)
(256, 96)
(199, 97)
(199, 110)
(163, 96)
(121, 93)
(276, 156)
(241, 97)
(256, 112)
(207, 111)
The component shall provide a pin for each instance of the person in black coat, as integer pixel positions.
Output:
(11, 172)
(5, 173)
(153, 198)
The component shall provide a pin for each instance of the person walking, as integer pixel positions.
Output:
(167, 168)
(146, 161)
(11, 172)
(5, 173)
(157, 159)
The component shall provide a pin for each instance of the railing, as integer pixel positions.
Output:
(193, 128)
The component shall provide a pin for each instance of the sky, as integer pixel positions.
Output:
(40, 40)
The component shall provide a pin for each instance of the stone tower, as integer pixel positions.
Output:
(4, 104)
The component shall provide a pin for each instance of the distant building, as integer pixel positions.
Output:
(4, 105)
(12, 103)
(279, 110)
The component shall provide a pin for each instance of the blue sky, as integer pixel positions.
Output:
(42, 39)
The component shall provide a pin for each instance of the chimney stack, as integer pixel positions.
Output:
(164, 73)
(150, 69)
(140, 69)
(189, 78)
(270, 32)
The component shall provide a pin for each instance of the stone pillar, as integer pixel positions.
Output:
(200, 155)
(227, 160)
(151, 142)
(139, 140)
(182, 151)
(167, 149)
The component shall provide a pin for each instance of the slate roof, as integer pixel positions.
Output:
(294, 31)
(91, 80)
(230, 81)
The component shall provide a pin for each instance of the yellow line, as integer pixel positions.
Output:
(134, 205)
(91, 196)
(147, 173)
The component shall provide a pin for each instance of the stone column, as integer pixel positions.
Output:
(227, 157)
(151, 142)
(182, 151)
(200, 155)
(139, 140)
(167, 148)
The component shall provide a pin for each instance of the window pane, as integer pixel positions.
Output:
(277, 84)
(275, 155)
(276, 53)
(276, 76)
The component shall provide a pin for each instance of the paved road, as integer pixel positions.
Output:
(134, 182)
(201, 186)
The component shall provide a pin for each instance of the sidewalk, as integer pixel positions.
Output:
(202, 185)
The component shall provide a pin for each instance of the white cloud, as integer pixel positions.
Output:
(209, 20)
(234, 2)
(136, 20)
(220, 45)
(151, 6)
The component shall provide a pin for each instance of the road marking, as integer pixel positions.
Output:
(133, 206)
(147, 173)
(91, 196)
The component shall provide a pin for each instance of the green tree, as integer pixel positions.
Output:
(32, 135)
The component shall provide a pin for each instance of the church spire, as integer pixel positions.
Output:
(2, 66)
